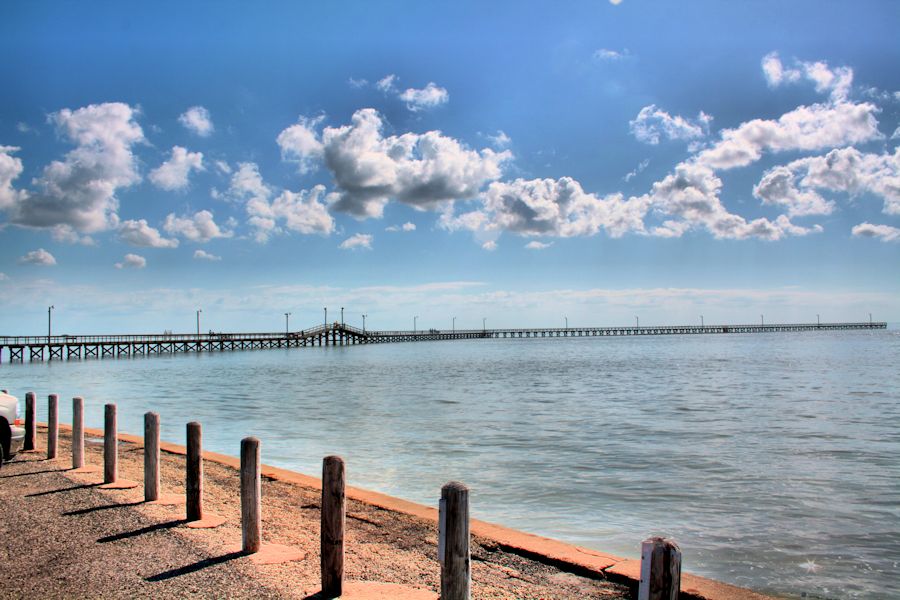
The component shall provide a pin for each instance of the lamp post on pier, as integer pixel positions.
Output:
(567, 322)
(761, 320)
(818, 320)
(364, 323)
(414, 323)
(326, 318)
(637, 322)
(49, 322)
(870, 318)
(342, 316)
(454, 324)
(701, 321)
(483, 324)
(199, 310)
(287, 317)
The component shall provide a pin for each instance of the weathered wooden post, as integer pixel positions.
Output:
(77, 432)
(332, 527)
(110, 445)
(194, 476)
(30, 423)
(453, 542)
(151, 456)
(660, 570)
(52, 426)
(251, 539)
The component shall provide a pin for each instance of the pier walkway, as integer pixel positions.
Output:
(16, 349)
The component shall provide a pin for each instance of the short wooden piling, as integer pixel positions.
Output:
(151, 457)
(52, 426)
(77, 432)
(110, 444)
(251, 538)
(30, 421)
(194, 474)
(660, 570)
(453, 540)
(332, 526)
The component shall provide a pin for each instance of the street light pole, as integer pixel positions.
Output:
(818, 320)
(342, 316)
(701, 321)
(483, 324)
(49, 321)
(364, 323)
(567, 322)
(414, 323)
(637, 322)
(454, 324)
(199, 310)
(287, 317)
(870, 318)
(761, 320)
(326, 318)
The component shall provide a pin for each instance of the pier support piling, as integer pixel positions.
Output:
(52, 426)
(333, 515)
(151, 457)
(660, 570)
(251, 538)
(30, 422)
(453, 542)
(77, 432)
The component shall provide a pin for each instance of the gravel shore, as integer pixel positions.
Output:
(63, 537)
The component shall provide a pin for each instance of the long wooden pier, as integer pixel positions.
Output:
(16, 349)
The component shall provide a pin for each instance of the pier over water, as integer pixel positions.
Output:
(15, 349)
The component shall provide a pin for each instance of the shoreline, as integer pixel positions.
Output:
(567, 557)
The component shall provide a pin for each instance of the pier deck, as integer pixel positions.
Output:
(16, 349)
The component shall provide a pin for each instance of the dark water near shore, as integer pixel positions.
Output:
(773, 459)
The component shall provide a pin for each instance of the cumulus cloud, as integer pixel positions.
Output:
(884, 232)
(605, 54)
(199, 227)
(637, 170)
(303, 212)
(387, 83)
(536, 245)
(559, 208)
(300, 143)
(500, 139)
(223, 167)
(489, 245)
(358, 241)
(10, 169)
(132, 261)
(430, 96)
(652, 124)
(173, 173)
(425, 170)
(38, 257)
(357, 83)
(203, 255)
(835, 81)
(139, 233)
(197, 120)
(405, 227)
(779, 186)
(79, 191)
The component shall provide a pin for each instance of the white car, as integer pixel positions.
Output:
(12, 434)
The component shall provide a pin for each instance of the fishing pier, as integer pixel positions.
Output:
(16, 349)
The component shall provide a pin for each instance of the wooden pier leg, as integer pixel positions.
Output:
(151, 457)
(52, 426)
(453, 542)
(332, 530)
(30, 422)
(194, 480)
(77, 432)
(110, 444)
(250, 496)
(660, 570)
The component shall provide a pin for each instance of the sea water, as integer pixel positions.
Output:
(772, 459)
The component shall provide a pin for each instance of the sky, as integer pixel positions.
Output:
(519, 162)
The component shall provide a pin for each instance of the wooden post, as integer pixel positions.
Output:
(77, 432)
(194, 483)
(151, 457)
(456, 575)
(250, 496)
(52, 426)
(110, 444)
(660, 570)
(332, 530)
(30, 423)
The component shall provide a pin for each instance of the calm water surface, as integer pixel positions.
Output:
(771, 458)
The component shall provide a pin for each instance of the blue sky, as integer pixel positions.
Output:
(516, 161)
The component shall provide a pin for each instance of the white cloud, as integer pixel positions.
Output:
(357, 83)
(38, 257)
(489, 245)
(246, 183)
(201, 227)
(386, 83)
(173, 173)
(637, 170)
(500, 140)
(204, 255)
(605, 54)
(139, 233)
(778, 186)
(197, 119)
(223, 167)
(430, 96)
(303, 212)
(536, 245)
(425, 171)
(300, 143)
(408, 226)
(558, 208)
(132, 261)
(10, 169)
(357, 241)
(653, 123)
(896, 134)
(4, 277)
(885, 232)
(835, 81)
(80, 190)
(615, 2)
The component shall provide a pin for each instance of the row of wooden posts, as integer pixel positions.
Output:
(660, 558)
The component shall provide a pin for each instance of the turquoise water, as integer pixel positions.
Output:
(771, 458)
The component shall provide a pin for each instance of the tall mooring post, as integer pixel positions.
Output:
(30, 421)
(660, 570)
(52, 426)
(110, 444)
(251, 538)
(333, 520)
(151, 456)
(453, 542)
(77, 432)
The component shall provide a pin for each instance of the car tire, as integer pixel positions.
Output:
(2, 454)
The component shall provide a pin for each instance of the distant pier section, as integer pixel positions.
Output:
(16, 349)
